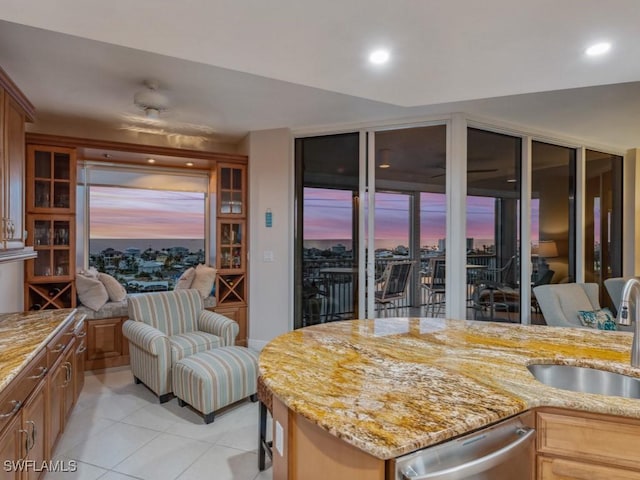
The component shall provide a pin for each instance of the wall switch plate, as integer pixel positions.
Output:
(268, 256)
(279, 440)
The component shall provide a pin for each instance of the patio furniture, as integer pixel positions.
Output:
(394, 284)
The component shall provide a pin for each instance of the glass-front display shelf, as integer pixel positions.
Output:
(231, 191)
(52, 241)
(231, 247)
(52, 180)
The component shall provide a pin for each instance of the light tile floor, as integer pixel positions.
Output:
(119, 431)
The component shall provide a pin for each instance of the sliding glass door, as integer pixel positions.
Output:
(327, 170)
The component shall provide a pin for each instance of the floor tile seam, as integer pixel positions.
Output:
(124, 422)
(137, 449)
(64, 453)
(88, 463)
(194, 461)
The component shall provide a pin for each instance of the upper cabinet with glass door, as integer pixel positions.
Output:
(51, 175)
(231, 190)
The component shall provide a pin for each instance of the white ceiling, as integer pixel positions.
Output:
(229, 67)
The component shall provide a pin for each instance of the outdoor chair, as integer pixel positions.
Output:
(394, 281)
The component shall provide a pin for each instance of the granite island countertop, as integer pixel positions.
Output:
(392, 386)
(23, 334)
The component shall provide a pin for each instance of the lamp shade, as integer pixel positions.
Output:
(547, 249)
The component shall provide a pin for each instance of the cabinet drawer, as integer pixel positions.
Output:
(15, 395)
(59, 343)
(562, 469)
(595, 439)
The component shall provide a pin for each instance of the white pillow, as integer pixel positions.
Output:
(186, 279)
(114, 288)
(91, 292)
(204, 279)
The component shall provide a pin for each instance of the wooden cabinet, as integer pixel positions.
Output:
(231, 245)
(15, 110)
(106, 345)
(80, 334)
(51, 182)
(239, 314)
(34, 421)
(60, 394)
(584, 446)
(10, 448)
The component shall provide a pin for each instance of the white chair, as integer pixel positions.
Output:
(560, 303)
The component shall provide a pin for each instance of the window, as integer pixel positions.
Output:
(146, 238)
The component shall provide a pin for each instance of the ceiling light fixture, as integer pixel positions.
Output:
(380, 56)
(150, 100)
(151, 160)
(189, 164)
(598, 49)
(384, 154)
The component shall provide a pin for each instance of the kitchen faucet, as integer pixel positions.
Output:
(624, 319)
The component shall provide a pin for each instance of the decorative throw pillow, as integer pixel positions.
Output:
(90, 272)
(116, 291)
(186, 279)
(602, 319)
(91, 292)
(204, 280)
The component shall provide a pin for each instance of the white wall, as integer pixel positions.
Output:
(11, 287)
(270, 282)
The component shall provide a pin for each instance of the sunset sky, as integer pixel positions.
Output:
(328, 216)
(141, 214)
(128, 213)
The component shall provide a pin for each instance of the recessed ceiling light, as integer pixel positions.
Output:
(384, 165)
(379, 56)
(511, 180)
(151, 160)
(189, 164)
(598, 49)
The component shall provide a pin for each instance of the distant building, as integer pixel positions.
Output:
(339, 249)
(151, 266)
(132, 252)
(469, 244)
(442, 244)
(178, 251)
(401, 250)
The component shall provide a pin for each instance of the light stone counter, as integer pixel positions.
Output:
(392, 386)
(22, 335)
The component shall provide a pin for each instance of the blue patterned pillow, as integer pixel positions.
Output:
(602, 319)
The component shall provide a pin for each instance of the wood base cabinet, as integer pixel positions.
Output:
(238, 313)
(106, 345)
(584, 446)
(61, 394)
(10, 449)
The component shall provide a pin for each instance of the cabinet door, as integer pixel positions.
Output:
(57, 383)
(69, 360)
(33, 423)
(14, 178)
(239, 315)
(563, 469)
(231, 190)
(10, 449)
(81, 348)
(106, 345)
(51, 178)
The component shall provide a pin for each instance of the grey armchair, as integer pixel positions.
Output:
(164, 327)
(560, 303)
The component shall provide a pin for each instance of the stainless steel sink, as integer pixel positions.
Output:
(586, 380)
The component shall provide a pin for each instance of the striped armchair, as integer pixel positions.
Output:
(164, 327)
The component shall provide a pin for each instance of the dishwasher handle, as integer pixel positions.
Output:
(479, 464)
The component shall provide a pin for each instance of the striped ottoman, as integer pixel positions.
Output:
(216, 378)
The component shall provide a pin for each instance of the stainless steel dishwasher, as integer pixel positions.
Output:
(504, 451)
